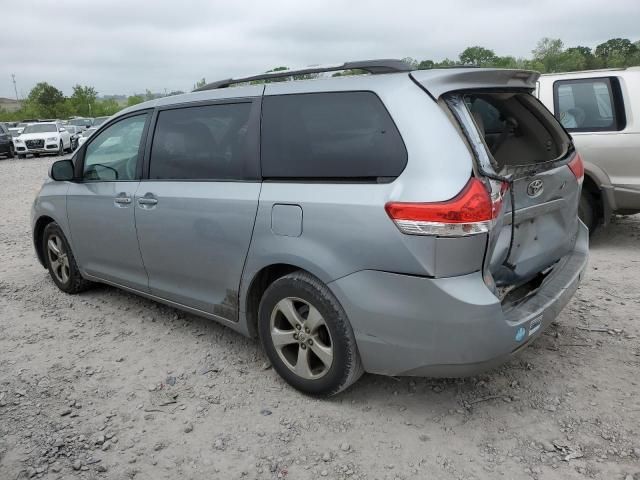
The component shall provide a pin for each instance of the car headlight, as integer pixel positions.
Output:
(18, 140)
(52, 139)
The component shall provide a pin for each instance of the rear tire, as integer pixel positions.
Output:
(588, 211)
(312, 346)
(60, 261)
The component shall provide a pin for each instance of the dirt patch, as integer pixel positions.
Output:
(109, 385)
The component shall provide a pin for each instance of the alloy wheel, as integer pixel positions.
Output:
(58, 258)
(301, 338)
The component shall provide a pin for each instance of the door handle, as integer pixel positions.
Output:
(147, 201)
(122, 199)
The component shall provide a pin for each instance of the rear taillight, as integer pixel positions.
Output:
(470, 212)
(577, 167)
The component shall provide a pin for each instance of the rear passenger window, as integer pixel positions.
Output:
(201, 143)
(337, 135)
(587, 105)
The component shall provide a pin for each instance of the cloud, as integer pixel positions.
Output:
(127, 46)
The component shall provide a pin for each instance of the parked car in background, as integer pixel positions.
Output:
(401, 223)
(43, 138)
(81, 122)
(75, 132)
(85, 135)
(601, 110)
(99, 121)
(15, 133)
(18, 128)
(6, 142)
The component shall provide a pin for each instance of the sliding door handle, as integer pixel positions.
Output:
(150, 201)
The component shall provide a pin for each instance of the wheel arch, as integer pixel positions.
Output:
(260, 281)
(598, 184)
(38, 231)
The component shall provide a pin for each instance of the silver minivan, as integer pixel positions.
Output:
(397, 222)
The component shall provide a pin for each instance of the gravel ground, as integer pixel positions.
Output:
(109, 385)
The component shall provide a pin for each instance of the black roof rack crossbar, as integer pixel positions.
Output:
(370, 66)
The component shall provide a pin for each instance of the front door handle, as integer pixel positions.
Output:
(122, 200)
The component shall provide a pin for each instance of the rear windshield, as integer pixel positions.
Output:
(329, 136)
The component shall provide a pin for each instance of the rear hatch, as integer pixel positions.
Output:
(523, 154)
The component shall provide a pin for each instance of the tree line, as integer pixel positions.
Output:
(549, 56)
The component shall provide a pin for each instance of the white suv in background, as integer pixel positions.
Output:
(600, 109)
(45, 137)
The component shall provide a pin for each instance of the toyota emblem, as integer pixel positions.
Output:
(535, 188)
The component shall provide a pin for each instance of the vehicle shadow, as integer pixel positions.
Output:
(405, 395)
(622, 233)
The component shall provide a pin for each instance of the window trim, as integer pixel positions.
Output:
(79, 160)
(253, 136)
(337, 180)
(617, 103)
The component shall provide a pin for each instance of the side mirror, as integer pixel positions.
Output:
(61, 171)
(62, 129)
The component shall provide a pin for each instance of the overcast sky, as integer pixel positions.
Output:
(127, 46)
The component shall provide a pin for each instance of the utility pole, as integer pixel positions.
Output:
(13, 77)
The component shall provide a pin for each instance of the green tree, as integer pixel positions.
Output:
(106, 108)
(83, 100)
(506, 62)
(134, 100)
(590, 61)
(411, 61)
(45, 100)
(426, 64)
(616, 52)
(571, 60)
(447, 63)
(548, 52)
(477, 56)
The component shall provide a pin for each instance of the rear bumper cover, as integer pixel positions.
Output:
(449, 327)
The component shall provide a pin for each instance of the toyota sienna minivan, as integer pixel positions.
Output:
(397, 222)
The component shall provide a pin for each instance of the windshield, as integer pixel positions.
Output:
(14, 133)
(22, 125)
(88, 132)
(40, 128)
(79, 121)
(99, 121)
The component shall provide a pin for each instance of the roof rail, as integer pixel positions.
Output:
(371, 66)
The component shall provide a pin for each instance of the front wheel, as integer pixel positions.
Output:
(21, 157)
(307, 335)
(11, 152)
(61, 149)
(60, 261)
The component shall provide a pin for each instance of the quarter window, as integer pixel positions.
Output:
(112, 155)
(588, 105)
(338, 135)
(201, 143)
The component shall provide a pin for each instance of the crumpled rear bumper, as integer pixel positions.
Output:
(449, 327)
